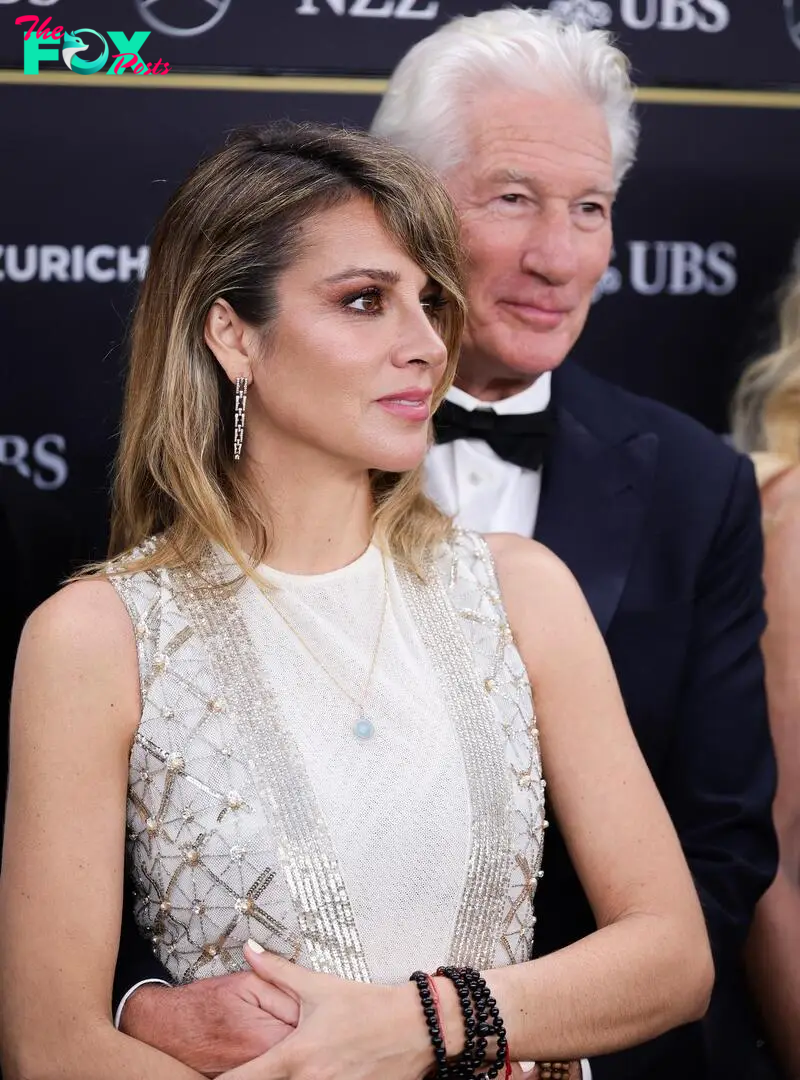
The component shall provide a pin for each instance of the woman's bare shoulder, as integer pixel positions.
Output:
(80, 644)
(77, 671)
(781, 497)
(536, 586)
(83, 615)
(523, 561)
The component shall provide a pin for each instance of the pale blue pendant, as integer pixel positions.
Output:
(364, 729)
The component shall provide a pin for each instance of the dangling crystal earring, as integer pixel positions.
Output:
(238, 417)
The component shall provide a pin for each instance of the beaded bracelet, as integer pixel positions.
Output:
(470, 1059)
(470, 984)
(488, 1008)
(482, 1021)
(436, 1005)
(554, 1070)
(433, 1022)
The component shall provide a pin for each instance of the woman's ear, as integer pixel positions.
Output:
(229, 338)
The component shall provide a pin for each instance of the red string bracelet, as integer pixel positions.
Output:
(508, 1064)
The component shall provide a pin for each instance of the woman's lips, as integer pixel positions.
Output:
(537, 317)
(416, 408)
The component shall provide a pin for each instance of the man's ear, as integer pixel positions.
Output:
(228, 337)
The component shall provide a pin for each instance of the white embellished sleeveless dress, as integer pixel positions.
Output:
(254, 811)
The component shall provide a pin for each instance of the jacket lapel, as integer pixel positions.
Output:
(595, 492)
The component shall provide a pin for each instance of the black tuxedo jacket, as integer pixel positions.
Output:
(659, 521)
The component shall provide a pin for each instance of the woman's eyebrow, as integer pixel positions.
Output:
(386, 277)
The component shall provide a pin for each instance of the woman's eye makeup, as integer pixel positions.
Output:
(434, 304)
(371, 301)
(368, 301)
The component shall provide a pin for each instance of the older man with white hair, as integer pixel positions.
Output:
(531, 125)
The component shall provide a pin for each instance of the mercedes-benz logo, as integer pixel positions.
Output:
(791, 9)
(588, 14)
(147, 10)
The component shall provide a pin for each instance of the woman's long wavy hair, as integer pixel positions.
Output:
(766, 405)
(229, 232)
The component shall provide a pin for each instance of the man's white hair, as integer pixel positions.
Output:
(423, 107)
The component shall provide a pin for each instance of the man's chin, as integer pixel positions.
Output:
(511, 357)
(535, 355)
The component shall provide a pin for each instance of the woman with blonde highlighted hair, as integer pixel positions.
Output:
(301, 699)
(766, 423)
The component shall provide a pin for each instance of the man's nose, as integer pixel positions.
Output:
(551, 250)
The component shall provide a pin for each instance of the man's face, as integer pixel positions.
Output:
(535, 194)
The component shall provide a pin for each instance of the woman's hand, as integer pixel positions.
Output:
(347, 1030)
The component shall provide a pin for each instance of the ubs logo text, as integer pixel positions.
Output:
(710, 16)
(674, 268)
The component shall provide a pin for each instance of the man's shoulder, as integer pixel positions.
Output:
(616, 415)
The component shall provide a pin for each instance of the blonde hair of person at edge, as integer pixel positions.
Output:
(766, 423)
(305, 698)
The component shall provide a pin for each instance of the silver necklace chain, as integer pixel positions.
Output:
(364, 727)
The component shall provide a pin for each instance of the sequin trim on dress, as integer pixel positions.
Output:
(325, 916)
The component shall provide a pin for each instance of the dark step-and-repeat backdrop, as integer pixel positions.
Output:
(705, 226)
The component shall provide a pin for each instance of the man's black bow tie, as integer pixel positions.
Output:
(520, 439)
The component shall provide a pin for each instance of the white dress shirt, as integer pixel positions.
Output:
(468, 480)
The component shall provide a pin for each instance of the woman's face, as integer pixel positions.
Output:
(354, 353)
